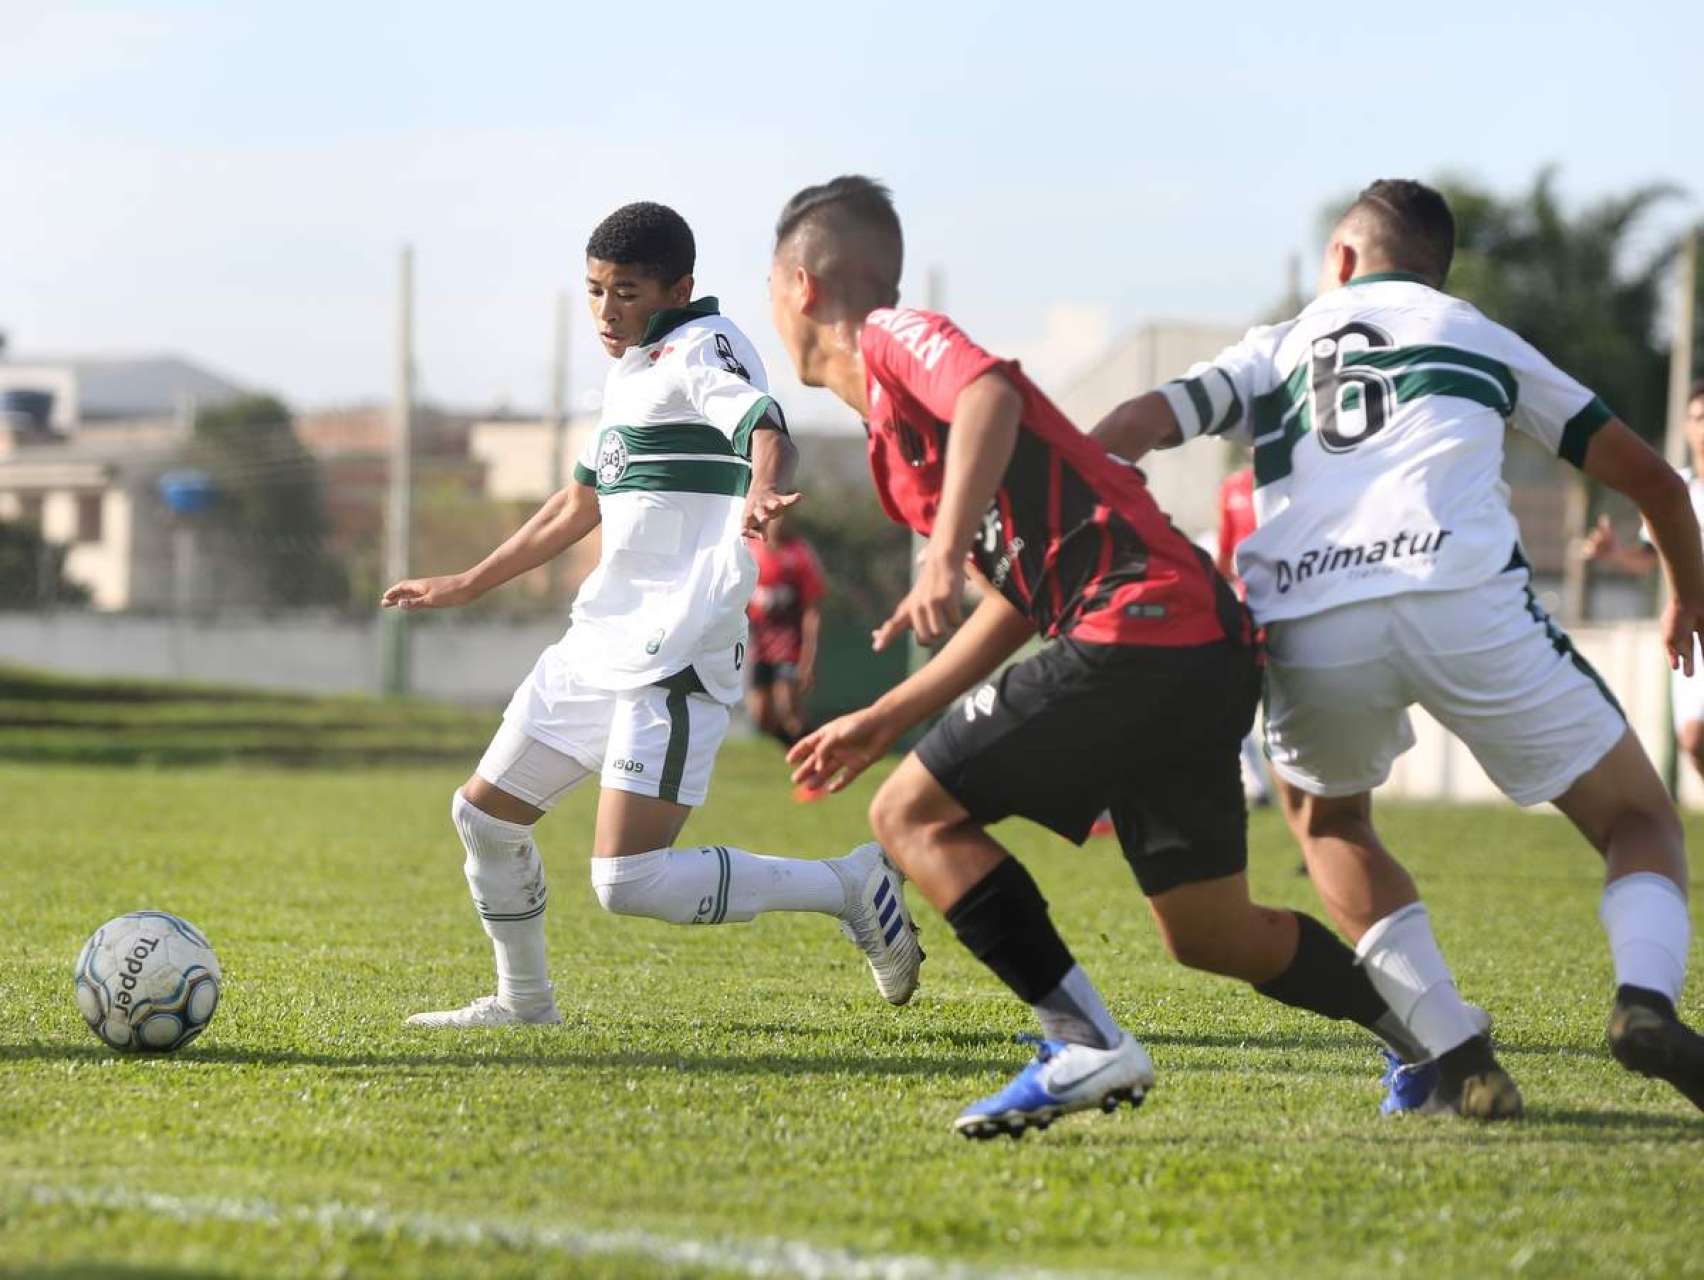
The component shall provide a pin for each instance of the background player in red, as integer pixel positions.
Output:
(1236, 522)
(1137, 704)
(786, 618)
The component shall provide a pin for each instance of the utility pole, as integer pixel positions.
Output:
(394, 659)
(558, 425)
(1674, 438)
(1680, 356)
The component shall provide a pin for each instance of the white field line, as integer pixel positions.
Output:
(762, 1257)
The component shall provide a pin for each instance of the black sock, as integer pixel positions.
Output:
(1324, 979)
(784, 738)
(1469, 1058)
(1002, 921)
(1654, 1000)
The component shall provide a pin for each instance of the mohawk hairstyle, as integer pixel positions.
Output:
(847, 234)
(1410, 224)
(647, 236)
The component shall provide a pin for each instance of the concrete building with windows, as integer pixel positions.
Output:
(84, 444)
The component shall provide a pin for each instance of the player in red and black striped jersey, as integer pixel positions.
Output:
(1137, 705)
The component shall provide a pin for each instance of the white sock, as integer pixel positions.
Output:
(714, 884)
(1644, 915)
(1403, 961)
(506, 879)
(1074, 1012)
(1253, 770)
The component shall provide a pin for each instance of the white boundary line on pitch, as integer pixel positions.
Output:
(764, 1257)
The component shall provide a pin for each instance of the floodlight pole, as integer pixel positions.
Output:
(558, 425)
(395, 655)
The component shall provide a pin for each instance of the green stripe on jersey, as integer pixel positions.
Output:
(748, 424)
(1435, 353)
(1285, 414)
(585, 475)
(673, 437)
(691, 475)
(1578, 432)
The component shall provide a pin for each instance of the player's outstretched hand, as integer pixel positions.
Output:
(443, 592)
(1683, 628)
(931, 609)
(1601, 543)
(762, 506)
(829, 758)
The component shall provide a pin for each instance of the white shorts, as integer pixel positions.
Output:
(659, 740)
(1486, 661)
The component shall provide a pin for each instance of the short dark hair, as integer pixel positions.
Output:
(1409, 223)
(1697, 392)
(849, 236)
(650, 237)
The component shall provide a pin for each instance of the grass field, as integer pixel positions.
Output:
(736, 1100)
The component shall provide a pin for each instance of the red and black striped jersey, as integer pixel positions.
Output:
(1073, 538)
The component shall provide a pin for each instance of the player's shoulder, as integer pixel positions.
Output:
(715, 339)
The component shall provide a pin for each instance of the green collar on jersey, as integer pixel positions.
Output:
(1384, 277)
(671, 318)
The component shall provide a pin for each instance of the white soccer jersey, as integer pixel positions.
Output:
(671, 464)
(1377, 419)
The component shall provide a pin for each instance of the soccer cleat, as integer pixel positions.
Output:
(1410, 1087)
(1644, 1040)
(485, 1012)
(877, 921)
(1063, 1078)
(1473, 1085)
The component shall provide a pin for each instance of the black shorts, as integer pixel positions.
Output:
(1150, 734)
(765, 674)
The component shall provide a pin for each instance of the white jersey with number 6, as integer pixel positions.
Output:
(1377, 419)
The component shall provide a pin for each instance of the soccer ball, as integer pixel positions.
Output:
(147, 982)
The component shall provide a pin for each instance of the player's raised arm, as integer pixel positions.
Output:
(566, 516)
(1138, 427)
(832, 756)
(980, 443)
(1212, 399)
(774, 462)
(1617, 457)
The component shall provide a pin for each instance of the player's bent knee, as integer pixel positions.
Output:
(636, 885)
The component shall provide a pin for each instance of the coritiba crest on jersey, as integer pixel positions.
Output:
(612, 458)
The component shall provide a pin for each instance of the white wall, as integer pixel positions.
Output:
(482, 661)
(453, 661)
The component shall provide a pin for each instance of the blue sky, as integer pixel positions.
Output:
(231, 181)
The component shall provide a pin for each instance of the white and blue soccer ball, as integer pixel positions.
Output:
(147, 982)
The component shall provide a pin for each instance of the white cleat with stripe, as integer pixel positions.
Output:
(487, 1012)
(877, 921)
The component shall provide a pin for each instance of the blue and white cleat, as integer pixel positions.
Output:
(877, 922)
(1410, 1087)
(1063, 1078)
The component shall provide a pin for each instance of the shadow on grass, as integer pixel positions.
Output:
(121, 754)
(952, 1054)
(1605, 1123)
(760, 1064)
(108, 1271)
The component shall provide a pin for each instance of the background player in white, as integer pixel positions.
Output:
(1640, 557)
(691, 455)
(1387, 569)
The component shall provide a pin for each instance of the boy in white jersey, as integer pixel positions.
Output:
(1387, 570)
(691, 455)
(1686, 693)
